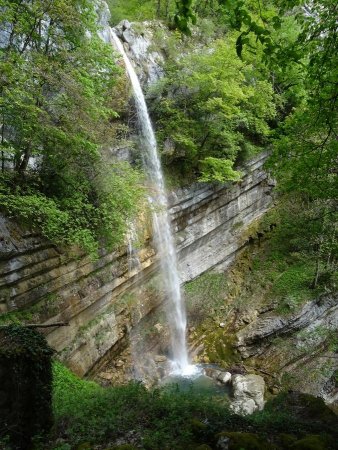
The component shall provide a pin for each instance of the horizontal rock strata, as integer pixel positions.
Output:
(101, 300)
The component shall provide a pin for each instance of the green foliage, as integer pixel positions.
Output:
(287, 267)
(72, 218)
(56, 111)
(20, 341)
(140, 10)
(302, 409)
(164, 417)
(298, 44)
(26, 385)
(184, 15)
(309, 231)
(220, 170)
(212, 105)
(87, 412)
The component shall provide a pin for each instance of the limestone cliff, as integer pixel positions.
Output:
(44, 284)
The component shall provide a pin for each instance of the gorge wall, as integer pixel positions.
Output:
(40, 283)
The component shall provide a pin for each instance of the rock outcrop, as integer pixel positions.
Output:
(296, 349)
(322, 312)
(102, 301)
(248, 393)
(138, 39)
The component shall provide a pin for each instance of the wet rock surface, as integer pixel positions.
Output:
(138, 39)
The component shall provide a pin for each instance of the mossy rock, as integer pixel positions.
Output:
(197, 426)
(285, 440)
(247, 441)
(305, 409)
(84, 446)
(311, 442)
(203, 447)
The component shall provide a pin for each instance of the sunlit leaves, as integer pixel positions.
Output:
(216, 169)
(56, 111)
(220, 106)
(185, 15)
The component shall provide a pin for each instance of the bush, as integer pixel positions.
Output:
(168, 418)
(82, 217)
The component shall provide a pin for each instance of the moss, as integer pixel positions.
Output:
(197, 426)
(286, 440)
(203, 447)
(311, 442)
(84, 446)
(247, 441)
(219, 348)
(46, 306)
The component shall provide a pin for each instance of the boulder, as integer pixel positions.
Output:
(224, 377)
(218, 375)
(160, 358)
(106, 376)
(248, 393)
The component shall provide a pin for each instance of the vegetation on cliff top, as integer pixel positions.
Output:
(249, 75)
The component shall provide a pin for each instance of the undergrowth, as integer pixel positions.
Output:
(163, 418)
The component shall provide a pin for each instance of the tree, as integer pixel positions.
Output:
(140, 10)
(212, 105)
(57, 81)
(304, 71)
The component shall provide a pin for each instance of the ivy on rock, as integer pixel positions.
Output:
(25, 385)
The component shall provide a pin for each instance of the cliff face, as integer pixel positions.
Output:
(43, 284)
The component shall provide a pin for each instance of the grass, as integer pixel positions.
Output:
(85, 412)
(88, 416)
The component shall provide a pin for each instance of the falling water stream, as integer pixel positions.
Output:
(161, 223)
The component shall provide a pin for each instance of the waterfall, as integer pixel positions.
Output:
(161, 222)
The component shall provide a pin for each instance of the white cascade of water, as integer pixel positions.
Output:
(161, 223)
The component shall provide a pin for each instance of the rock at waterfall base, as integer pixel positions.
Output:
(248, 392)
(218, 375)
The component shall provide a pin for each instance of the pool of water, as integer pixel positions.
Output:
(198, 382)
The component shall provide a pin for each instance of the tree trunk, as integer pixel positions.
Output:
(167, 8)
